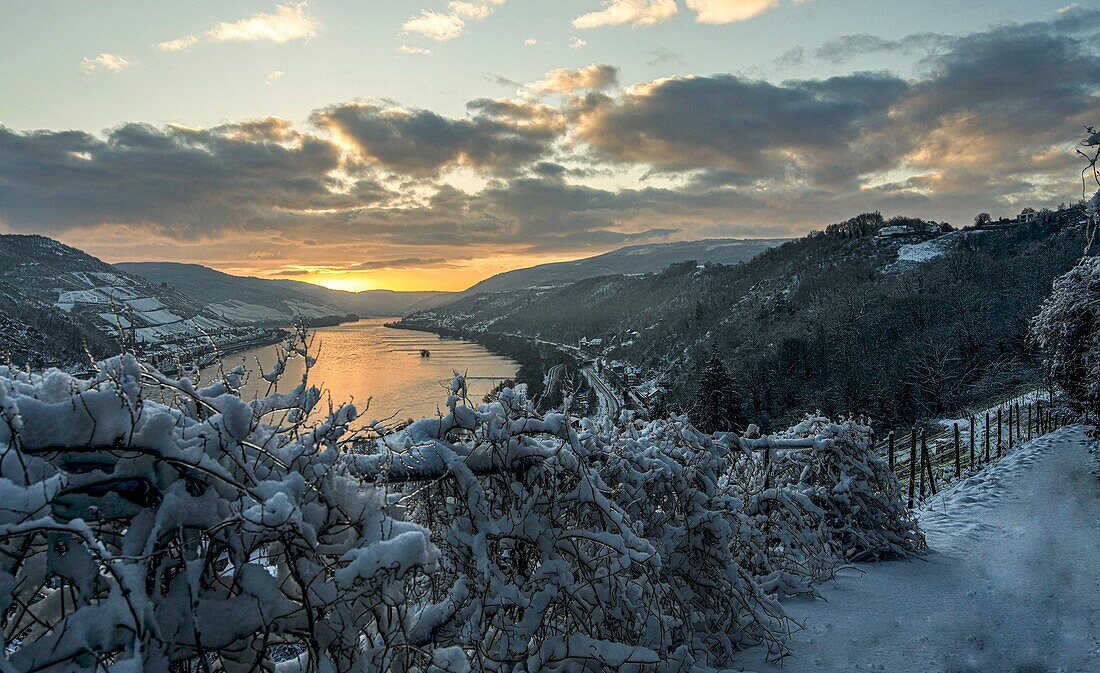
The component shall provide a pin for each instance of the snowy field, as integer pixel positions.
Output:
(1011, 582)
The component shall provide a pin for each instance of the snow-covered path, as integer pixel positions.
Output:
(1011, 582)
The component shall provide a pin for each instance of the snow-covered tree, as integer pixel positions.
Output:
(717, 400)
(1067, 327)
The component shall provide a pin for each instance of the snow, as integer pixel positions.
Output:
(918, 253)
(161, 317)
(115, 320)
(1009, 583)
(145, 304)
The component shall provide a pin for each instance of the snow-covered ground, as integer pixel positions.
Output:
(912, 254)
(1011, 581)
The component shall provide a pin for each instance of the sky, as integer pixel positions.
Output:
(427, 144)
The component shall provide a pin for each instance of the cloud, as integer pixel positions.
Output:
(638, 13)
(662, 56)
(445, 26)
(413, 51)
(435, 25)
(404, 263)
(989, 118)
(178, 44)
(815, 128)
(104, 61)
(275, 76)
(987, 121)
(845, 48)
(477, 10)
(500, 136)
(577, 43)
(287, 23)
(566, 80)
(729, 11)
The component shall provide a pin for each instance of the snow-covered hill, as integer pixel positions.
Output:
(629, 260)
(57, 303)
(266, 301)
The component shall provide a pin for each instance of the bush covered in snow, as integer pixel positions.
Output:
(864, 515)
(138, 535)
(1067, 329)
(149, 524)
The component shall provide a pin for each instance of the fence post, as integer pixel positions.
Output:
(1019, 432)
(958, 460)
(922, 456)
(767, 467)
(971, 441)
(1010, 437)
(987, 436)
(928, 463)
(912, 465)
(890, 443)
(998, 432)
(1029, 421)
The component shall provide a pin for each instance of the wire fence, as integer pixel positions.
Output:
(926, 461)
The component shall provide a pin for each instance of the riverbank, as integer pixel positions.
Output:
(534, 358)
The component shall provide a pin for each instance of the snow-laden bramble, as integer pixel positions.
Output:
(864, 515)
(150, 524)
(200, 534)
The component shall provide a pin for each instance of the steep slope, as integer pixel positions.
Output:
(58, 303)
(262, 300)
(849, 320)
(628, 260)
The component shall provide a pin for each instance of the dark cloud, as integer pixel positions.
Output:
(186, 181)
(988, 122)
(813, 127)
(662, 56)
(995, 117)
(847, 47)
(405, 263)
(500, 136)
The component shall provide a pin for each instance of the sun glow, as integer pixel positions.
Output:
(453, 276)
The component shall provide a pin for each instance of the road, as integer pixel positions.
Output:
(609, 401)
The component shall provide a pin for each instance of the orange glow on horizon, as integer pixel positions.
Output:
(454, 278)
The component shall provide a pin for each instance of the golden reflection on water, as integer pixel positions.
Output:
(365, 360)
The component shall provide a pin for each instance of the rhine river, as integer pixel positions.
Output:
(366, 360)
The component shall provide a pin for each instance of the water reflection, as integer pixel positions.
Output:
(365, 360)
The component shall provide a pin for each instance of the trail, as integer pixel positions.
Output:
(1011, 581)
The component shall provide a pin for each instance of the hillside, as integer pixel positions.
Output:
(895, 319)
(265, 301)
(629, 260)
(58, 303)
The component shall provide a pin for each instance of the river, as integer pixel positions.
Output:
(366, 360)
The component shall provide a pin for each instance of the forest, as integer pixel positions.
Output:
(829, 322)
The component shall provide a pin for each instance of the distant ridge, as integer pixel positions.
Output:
(278, 300)
(629, 260)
